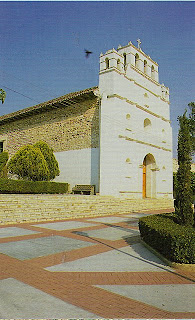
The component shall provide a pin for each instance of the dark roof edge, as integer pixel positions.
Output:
(42, 106)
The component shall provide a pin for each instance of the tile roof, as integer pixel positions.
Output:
(65, 100)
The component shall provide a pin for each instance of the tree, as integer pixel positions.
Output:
(2, 95)
(192, 124)
(193, 184)
(175, 185)
(29, 163)
(184, 192)
(52, 163)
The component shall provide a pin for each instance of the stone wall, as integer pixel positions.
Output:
(69, 128)
(20, 208)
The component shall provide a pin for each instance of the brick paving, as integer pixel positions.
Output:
(81, 289)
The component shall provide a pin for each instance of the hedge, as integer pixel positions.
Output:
(175, 242)
(3, 159)
(21, 186)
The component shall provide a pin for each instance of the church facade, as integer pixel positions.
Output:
(116, 136)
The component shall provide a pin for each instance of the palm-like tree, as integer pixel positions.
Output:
(2, 95)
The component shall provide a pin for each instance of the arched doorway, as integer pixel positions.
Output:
(149, 177)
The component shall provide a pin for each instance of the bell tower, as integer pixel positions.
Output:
(134, 123)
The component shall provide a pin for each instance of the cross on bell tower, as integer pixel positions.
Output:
(138, 43)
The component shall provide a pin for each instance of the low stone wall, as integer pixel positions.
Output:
(16, 208)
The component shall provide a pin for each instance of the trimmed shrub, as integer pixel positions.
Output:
(21, 186)
(175, 242)
(29, 163)
(3, 160)
(52, 163)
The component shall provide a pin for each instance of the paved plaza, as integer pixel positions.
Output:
(89, 268)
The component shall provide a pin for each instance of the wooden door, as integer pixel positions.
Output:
(144, 179)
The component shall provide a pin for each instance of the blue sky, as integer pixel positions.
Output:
(42, 47)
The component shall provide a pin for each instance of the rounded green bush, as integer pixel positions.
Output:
(52, 163)
(29, 163)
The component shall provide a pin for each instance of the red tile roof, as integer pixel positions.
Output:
(65, 100)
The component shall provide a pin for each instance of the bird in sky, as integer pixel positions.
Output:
(87, 53)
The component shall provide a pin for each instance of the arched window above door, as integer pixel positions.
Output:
(147, 124)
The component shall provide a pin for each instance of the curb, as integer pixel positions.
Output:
(179, 266)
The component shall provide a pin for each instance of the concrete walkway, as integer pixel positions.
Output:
(94, 268)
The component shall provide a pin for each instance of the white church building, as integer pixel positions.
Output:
(135, 130)
(116, 136)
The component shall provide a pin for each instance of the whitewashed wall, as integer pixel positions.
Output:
(127, 99)
(79, 167)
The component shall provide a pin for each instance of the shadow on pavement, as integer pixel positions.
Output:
(164, 268)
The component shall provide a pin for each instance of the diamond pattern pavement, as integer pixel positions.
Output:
(175, 297)
(14, 232)
(109, 219)
(65, 225)
(112, 233)
(28, 302)
(88, 268)
(32, 248)
(125, 259)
